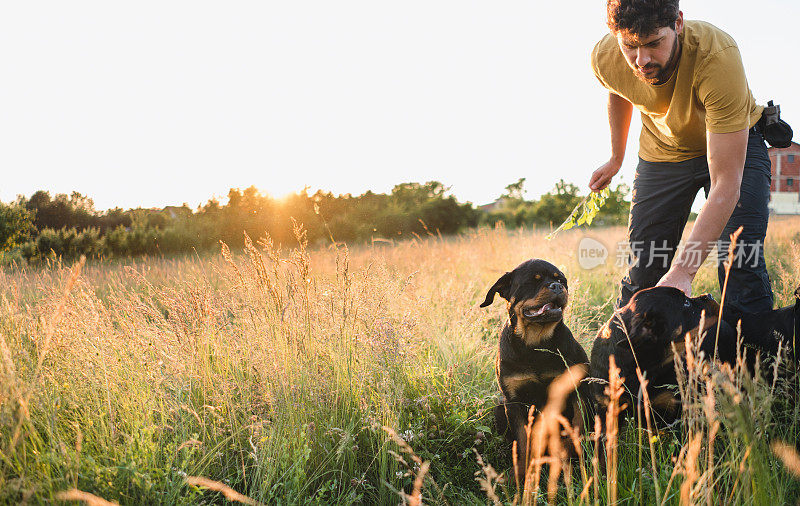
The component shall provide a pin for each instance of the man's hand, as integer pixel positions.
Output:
(602, 176)
(678, 278)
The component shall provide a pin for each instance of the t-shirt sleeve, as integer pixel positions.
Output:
(723, 90)
(596, 66)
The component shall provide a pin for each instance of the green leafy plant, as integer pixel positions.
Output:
(584, 212)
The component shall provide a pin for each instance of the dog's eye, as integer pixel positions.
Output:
(687, 303)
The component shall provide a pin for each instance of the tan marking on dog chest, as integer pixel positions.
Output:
(534, 333)
(514, 382)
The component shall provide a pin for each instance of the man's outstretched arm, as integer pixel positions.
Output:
(619, 119)
(726, 156)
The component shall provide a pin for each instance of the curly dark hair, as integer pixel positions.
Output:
(641, 17)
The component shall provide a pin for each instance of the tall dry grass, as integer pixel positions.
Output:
(270, 374)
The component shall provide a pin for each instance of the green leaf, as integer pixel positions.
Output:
(583, 213)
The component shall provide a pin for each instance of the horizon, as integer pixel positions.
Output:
(159, 105)
(223, 200)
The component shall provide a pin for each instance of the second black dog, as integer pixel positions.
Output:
(644, 335)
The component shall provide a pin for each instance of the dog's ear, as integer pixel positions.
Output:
(797, 294)
(501, 287)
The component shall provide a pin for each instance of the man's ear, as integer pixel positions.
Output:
(501, 287)
(679, 23)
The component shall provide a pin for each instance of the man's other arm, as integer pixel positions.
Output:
(726, 156)
(619, 119)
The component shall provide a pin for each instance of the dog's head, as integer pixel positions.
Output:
(537, 294)
(642, 334)
(662, 315)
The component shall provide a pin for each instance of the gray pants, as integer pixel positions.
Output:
(663, 194)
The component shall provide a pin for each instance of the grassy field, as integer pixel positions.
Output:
(274, 373)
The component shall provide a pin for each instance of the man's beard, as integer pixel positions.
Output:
(663, 73)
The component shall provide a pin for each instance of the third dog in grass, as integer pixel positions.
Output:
(535, 347)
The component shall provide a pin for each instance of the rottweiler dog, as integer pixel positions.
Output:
(535, 347)
(768, 329)
(642, 334)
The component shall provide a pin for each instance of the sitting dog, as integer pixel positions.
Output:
(642, 334)
(535, 347)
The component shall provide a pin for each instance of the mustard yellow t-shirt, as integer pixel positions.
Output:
(708, 91)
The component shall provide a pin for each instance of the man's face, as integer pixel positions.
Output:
(652, 57)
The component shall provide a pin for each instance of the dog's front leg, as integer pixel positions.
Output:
(521, 438)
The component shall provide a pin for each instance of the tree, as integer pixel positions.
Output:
(515, 191)
(554, 207)
(16, 224)
(74, 210)
(410, 195)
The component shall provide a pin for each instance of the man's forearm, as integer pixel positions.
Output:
(726, 156)
(707, 228)
(619, 120)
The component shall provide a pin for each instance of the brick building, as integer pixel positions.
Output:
(785, 189)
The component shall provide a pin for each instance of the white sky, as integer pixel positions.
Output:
(154, 103)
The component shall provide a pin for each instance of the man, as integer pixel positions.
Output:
(699, 130)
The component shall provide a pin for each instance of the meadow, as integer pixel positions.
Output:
(336, 375)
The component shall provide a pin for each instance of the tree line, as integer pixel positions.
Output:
(67, 226)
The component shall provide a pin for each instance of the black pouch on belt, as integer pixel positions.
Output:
(776, 132)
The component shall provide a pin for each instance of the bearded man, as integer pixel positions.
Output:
(699, 130)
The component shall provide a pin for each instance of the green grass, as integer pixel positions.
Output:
(274, 372)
